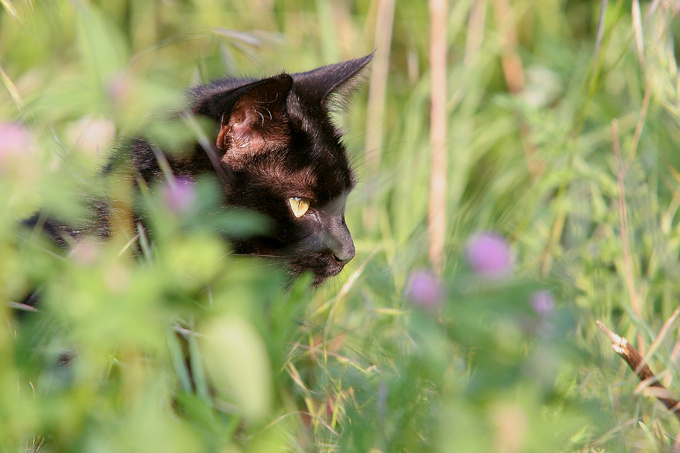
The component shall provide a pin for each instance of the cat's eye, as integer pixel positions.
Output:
(298, 205)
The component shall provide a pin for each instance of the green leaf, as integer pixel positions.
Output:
(237, 360)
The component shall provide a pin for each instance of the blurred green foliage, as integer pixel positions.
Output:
(185, 347)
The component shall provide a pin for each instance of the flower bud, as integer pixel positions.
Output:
(179, 195)
(489, 255)
(424, 289)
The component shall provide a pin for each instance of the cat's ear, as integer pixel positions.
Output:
(256, 117)
(324, 84)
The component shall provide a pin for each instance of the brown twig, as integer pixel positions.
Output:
(635, 361)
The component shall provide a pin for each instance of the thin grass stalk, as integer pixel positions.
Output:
(661, 337)
(437, 205)
(637, 28)
(623, 222)
(12, 90)
(600, 30)
(375, 113)
(11, 10)
(641, 122)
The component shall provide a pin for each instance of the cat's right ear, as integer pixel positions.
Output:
(331, 84)
(257, 116)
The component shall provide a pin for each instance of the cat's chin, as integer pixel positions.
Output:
(322, 265)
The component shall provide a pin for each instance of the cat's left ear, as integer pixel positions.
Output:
(256, 117)
(337, 80)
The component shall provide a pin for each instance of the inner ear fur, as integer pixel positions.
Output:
(257, 118)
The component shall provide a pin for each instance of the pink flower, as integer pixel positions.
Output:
(179, 195)
(15, 141)
(543, 302)
(489, 255)
(424, 289)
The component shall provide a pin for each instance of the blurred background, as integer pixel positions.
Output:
(562, 123)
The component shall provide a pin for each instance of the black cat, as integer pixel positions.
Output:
(276, 151)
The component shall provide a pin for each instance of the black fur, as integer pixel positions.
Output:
(273, 140)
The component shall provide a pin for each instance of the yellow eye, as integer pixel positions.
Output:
(298, 205)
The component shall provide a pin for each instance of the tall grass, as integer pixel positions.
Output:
(562, 126)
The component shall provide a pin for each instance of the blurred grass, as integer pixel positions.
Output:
(354, 366)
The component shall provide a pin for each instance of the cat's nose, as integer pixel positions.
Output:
(340, 241)
(345, 252)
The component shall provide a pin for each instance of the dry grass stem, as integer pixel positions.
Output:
(510, 60)
(437, 205)
(375, 113)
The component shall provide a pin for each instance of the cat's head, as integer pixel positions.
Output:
(281, 155)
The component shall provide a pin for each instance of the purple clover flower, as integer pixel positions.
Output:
(489, 255)
(179, 195)
(424, 289)
(543, 303)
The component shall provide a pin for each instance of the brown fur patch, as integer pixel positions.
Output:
(240, 146)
